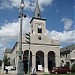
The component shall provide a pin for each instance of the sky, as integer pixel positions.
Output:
(59, 15)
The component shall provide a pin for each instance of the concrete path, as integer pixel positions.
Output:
(14, 73)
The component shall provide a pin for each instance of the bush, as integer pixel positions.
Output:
(5, 60)
(73, 68)
(0, 62)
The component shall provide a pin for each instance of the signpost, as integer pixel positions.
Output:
(40, 67)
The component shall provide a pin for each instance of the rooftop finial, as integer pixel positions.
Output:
(37, 10)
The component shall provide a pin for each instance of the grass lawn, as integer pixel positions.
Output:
(60, 74)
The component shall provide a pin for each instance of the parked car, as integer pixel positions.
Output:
(60, 70)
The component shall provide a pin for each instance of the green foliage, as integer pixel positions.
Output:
(5, 60)
(0, 62)
(67, 65)
(73, 68)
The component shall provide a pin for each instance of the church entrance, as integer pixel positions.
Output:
(39, 59)
(51, 60)
(25, 60)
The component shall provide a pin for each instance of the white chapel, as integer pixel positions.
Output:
(43, 50)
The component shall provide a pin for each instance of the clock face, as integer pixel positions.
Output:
(39, 38)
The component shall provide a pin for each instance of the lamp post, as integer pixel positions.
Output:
(20, 61)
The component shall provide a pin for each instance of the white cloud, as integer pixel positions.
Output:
(12, 29)
(5, 4)
(67, 23)
(63, 37)
(9, 4)
(10, 32)
(29, 4)
(45, 3)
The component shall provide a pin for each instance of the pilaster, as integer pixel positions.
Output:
(45, 63)
(33, 61)
(57, 61)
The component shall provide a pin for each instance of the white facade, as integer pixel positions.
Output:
(45, 51)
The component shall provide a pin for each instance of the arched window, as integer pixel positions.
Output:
(39, 29)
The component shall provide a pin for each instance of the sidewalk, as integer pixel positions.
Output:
(14, 73)
(8, 74)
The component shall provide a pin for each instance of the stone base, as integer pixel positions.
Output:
(20, 67)
(46, 70)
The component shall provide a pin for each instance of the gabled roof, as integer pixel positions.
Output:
(14, 46)
(7, 50)
(68, 48)
(37, 18)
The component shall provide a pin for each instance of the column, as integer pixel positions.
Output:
(33, 62)
(70, 64)
(57, 61)
(45, 63)
(2, 70)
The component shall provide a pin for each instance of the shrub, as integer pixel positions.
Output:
(5, 60)
(0, 62)
(73, 68)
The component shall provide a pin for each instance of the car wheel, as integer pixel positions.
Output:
(56, 73)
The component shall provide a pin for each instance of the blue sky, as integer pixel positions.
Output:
(59, 14)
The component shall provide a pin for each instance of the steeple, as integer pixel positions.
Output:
(37, 10)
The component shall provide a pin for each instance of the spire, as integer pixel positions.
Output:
(37, 10)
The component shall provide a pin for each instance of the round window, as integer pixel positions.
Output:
(39, 38)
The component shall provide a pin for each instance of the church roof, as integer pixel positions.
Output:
(68, 48)
(8, 50)
(36, 18)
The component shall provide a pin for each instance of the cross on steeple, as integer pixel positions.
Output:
(37, 10)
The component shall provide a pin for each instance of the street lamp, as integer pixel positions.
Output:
(20, 61)
(22, 4)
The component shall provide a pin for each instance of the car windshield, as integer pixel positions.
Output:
(55, 68)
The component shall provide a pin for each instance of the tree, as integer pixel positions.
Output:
(0, 62)
(5, 60)
(73, 68)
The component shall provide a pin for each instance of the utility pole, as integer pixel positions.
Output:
(20, 59)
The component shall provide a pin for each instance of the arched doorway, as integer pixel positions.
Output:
(51, 60)
(39, 59)
(25, 60)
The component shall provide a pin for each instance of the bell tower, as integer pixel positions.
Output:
(38, 25)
